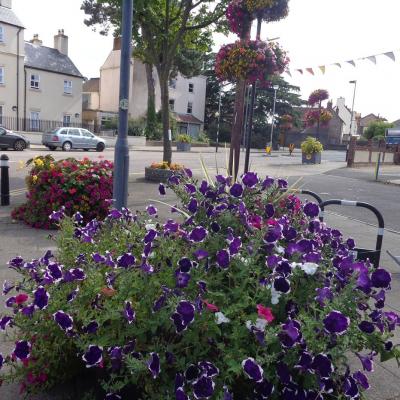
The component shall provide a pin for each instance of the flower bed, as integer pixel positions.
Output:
(247, 296)
(79, 186)
(251, 60)
(312, 117)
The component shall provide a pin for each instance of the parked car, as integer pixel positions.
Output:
(12, 140)
(72, 138)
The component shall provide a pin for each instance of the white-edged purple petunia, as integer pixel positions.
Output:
(41, 298)
(203, 388)
(5, 322)
(151, 210)
(22, 350)
(113, 396)
(250, 179)
(311, 209)
(154, 365)
(252, 369)
(129, 312)
(381, 278)
(126, 260)
(198, 234)
(223, 258)
(322, 365)
(93, 356)
(236, 190)
(64, 320)
(161, 189)
(336, 323)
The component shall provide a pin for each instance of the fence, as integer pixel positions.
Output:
(366, 153)
(40, 125)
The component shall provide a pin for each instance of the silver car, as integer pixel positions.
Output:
(72, 138)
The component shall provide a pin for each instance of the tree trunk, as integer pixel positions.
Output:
(236, 137)
(164, 81)
(151, 103)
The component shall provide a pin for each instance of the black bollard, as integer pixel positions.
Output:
(5, 181)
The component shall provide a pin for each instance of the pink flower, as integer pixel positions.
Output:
(265, 313)
(211, 307)
(21, 298)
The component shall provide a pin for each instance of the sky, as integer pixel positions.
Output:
(316, 32)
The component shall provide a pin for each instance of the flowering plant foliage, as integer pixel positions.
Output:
(79, 186)
(166, 165)
(240, 13)
(248, 296)
(251, 60)
(312, 117)
(311, 145)
(317, 96)
(286, 121)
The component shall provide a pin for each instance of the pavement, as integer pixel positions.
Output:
(329, 179)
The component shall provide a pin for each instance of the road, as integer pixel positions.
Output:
(330, 179)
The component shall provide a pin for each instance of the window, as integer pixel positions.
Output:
(35, 121)
(86, 133)
(74, 132)
(191, 88)
(1, 115)
(35, 80)
(190, 107)
(172, 83)
(68, 87)
(172, 104)
(66, 120)
(1, 75)
(1, 34)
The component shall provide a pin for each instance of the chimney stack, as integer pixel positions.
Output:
(6, 3)
(35, 40)
(61, 42)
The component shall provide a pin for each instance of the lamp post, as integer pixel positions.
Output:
(352, 107)
(275, 87)
(121, 157)
(218, 115)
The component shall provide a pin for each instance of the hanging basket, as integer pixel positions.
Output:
(313, 115)
(240, 13)
(250, 60)
(318, 96)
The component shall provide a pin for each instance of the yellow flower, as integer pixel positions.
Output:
(21, 165)
(38, 162)
(34, 179)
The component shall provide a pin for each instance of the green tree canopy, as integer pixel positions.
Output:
(377, 128)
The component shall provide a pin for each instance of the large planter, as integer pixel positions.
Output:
(181, 146)
(157, 174)
(313, 158)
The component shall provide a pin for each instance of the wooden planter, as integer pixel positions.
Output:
(157, 175)
(181, 146)
(313, 158)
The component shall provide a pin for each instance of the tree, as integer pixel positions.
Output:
(377, 128)
(166, 33)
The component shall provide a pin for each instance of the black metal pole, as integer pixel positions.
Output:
(121, 157)
(319, 119)
(219, 119)
(5, 180)
(251, 114)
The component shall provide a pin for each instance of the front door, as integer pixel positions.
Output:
(35, 121)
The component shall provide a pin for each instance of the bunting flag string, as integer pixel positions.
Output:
(322, 68)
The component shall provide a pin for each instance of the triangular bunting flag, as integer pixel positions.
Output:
(391, 55)
(300, 70)
(322, 68)
(371, 58)
(288, 72)
(310, 70)
(351, 62)
(338, 65)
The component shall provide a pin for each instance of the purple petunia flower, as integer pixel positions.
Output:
(336, 323)
(93, 356)
(154, 365)
(161, 189)
(203, 388)
(151, 210)
(174, 180)
(115, 214)
(323, 294)
(311, 210)
(41, 298)
(322, 365)
(186, 310)
(78, 274)
(91, 327)
(113, 396)
(200, 254)
(274, 233)
(7, 287)
(126, 260)
(64, 320)
(193, 206)
(282, 285)
(98, 258)
(282, 184)
(198, 234)
(208, 368)
(180, 394)
(55, 271)
(129, 313)
(380, 278)
(252, 369)
(1, 361)
(269, 211)
(250, 179)
(227, 394)
(4, 322)
(367, 361)
(182, 279)
(223, 258)
(268, 182)
(57, 216)
(72, 296)
(350, 388)
(236, 190)
(361, 379)
(22, 350)
(28, 311)
(264, 389)
(366, 327)
(190, 188)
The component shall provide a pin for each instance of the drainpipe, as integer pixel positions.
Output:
(25, 99)
(19, 31)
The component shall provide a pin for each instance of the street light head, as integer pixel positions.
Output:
(353, 81)
(276, 87)
(217, 114)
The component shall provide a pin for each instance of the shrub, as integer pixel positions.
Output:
(79, 186)
(311, 145)
(377, 128)
(249, 295)
(183, 138)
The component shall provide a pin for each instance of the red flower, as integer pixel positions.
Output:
(21, 298)
(211, 307)
(265, 313)
(72, 191)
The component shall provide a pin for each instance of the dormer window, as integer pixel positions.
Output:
(67, 87)
(35, 81)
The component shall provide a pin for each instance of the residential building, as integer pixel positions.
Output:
(365, 121)
(349, 120)
(41, 87)
(187, 95)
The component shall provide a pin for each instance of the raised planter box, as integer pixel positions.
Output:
(157, 175)
(314, 158)
(158, 143)
(181, 146)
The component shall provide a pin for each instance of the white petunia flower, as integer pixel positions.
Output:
(309, 268)
(221, 319)
(275, 296)
(150, 226)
